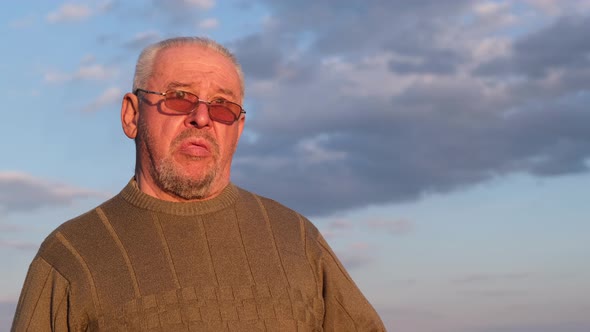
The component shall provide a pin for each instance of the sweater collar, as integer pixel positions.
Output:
(132, 194)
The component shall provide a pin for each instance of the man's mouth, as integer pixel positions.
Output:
(195, 147)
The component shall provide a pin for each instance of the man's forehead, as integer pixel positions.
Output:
(178, 62)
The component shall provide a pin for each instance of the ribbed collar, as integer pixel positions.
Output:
(133, 195)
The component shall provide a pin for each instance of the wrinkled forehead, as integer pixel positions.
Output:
(195, 65)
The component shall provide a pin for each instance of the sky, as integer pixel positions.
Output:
(441, 147)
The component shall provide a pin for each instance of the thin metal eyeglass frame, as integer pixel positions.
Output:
(199, 101)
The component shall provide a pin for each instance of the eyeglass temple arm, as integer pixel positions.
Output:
(148, 91)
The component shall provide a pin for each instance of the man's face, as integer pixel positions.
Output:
(180, 156)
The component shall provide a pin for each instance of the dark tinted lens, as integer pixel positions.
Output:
(181, 101)
(221, 114)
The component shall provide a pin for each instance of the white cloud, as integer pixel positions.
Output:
(55, 77)
(69, 12)
(24, 22)
(312, 151)
(106, 5)
(142, 39)
(88, 59)
(356, 255)
(87, 71)
(396, 227)
(495, 15)
(109, 96)
(202, 4)
(491, 8)
(209, 23)
(559, 7)
(94, 72)
(371, 77)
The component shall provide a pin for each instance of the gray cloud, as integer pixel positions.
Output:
(560, 46)
(6, 314)
(409, 318)
(354, 257)
(495, 293)
(486, 278)
(20, 245)
(353, 103)
(394, 227)
(405, 110)
(259, 58)
(21, 192)
(565, 326)
(11, 228)
(143, 39)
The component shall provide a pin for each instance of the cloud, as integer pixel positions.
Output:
(176, 12)
(142, 39)
(340, 224)
(7, 309)
(410, 318)
(559, 7)
(10, 228)
(209, 23)
(19, 245)
(563, 326)
(557, 47)
(24, 22)
(75, 12)
(394, 227)
(69, 12)
(22, 192)
(486, 278)
(201, 4)
(86, 72)
(106, 5)
(382, 102)
(494, 293)
(491, 281)
(356, 255)
(108, 97)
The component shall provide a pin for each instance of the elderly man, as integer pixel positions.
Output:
(181, 248)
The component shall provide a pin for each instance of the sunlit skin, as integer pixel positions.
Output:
(207, 74)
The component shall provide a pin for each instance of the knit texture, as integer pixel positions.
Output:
(237, 262)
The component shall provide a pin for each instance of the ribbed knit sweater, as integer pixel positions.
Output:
(237, 262)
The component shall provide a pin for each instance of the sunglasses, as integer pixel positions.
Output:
(220, 110)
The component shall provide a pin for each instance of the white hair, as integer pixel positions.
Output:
(145, 62)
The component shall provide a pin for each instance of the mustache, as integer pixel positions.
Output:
(196, 133)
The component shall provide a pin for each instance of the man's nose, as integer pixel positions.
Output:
(199, 117)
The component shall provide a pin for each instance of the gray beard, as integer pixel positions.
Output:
(167, 176)
(168, 179)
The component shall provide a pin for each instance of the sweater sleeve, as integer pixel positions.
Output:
(345, 307)
(43, 303)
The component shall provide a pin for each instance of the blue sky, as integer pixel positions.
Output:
(442, 148)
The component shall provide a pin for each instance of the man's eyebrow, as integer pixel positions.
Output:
(227, 92)
(175, 84)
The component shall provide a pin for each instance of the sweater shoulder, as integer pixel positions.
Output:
(279, 214)
(274, 209)
(82, 228)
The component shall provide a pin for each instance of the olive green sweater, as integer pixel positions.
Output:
(237, 262)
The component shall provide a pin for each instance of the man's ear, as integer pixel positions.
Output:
(241, 123)
(130, 114)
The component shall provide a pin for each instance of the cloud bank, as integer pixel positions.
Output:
(22, 192)
(380, 102)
